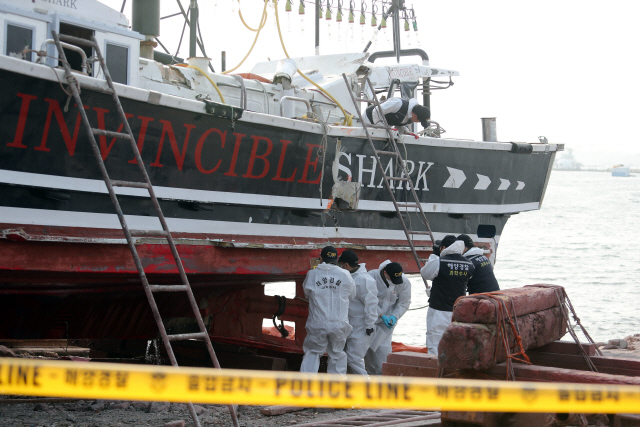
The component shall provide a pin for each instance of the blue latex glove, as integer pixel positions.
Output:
(389, 321)
(393, 320)
(385, 319)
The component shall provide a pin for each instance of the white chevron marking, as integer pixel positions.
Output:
(520, 185)
(483, 182)
(504, 184)
(456, 178)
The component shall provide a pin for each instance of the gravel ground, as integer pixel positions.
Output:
(92, 413)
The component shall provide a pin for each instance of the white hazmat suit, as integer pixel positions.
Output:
(328, 289)
(363, 313)
(393, 300)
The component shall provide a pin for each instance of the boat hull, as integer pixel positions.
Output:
(249, 201)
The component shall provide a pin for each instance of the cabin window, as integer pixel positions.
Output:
(17, 39)
(74, 58)
(117, 62)
(486, 231)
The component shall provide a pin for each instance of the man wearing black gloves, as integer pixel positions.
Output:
(483, 279)
(450, 273)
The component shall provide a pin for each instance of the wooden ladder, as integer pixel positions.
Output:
(388, 180)
(129, 234)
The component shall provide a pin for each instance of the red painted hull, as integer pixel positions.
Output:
(82, 283)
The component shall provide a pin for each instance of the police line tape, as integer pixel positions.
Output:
(204, 385)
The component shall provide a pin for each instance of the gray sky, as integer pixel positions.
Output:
(565, 69)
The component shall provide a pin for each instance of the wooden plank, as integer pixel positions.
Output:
(567, 347)
(473, 345)
(610, 365)
(550, 374)
(398, 370)
(414, 359)
(525, 300)
(35, 343)
(523, 373)
(280, 410)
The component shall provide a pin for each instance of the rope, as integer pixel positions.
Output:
(282, 305)
(70, 79)
(503, 318)
(325, 129)
(263, 21)
(565, 304)
(348, 118)
(247, 25)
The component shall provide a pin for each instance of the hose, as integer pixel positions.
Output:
(247, 25)
(211, 80)
(282, 305)
(348, 118)
(263, 21)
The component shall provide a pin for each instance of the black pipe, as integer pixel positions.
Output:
(406, 52)
(166, 59)
(317, 27)
(193, 29)
(426, 92)
(396, 33)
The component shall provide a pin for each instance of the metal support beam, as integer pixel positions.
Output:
(317, 27)
(396, 33)
(193, 28)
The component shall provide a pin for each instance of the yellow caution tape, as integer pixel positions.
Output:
(163, 383)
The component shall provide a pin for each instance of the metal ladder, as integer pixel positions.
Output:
(403, 177)
(146, 184)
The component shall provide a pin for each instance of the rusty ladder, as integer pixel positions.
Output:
(404, 176)
(146, 184)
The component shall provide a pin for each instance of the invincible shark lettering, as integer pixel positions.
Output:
(168, 144)
(71, 4)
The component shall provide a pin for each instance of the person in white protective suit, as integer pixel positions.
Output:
(394, 299)
(450, 273)
(363, 312)
(329, 289)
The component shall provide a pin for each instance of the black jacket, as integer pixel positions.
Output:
(483, 279)
(451, 281)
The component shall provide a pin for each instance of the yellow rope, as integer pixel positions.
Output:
(348, 118)
(263, 21)
(243, 21)
(211, 80)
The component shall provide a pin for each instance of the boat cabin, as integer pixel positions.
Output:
(27, 26)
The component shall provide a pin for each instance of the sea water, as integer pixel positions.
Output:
(585, 237)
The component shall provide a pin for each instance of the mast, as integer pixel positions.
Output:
(317, 27)
(193, 28)
(394, 11)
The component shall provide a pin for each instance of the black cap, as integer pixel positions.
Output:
(394, 270)
(468, 243)
(448, 240)
(423, 113)
(348, 256)
(329, 254)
